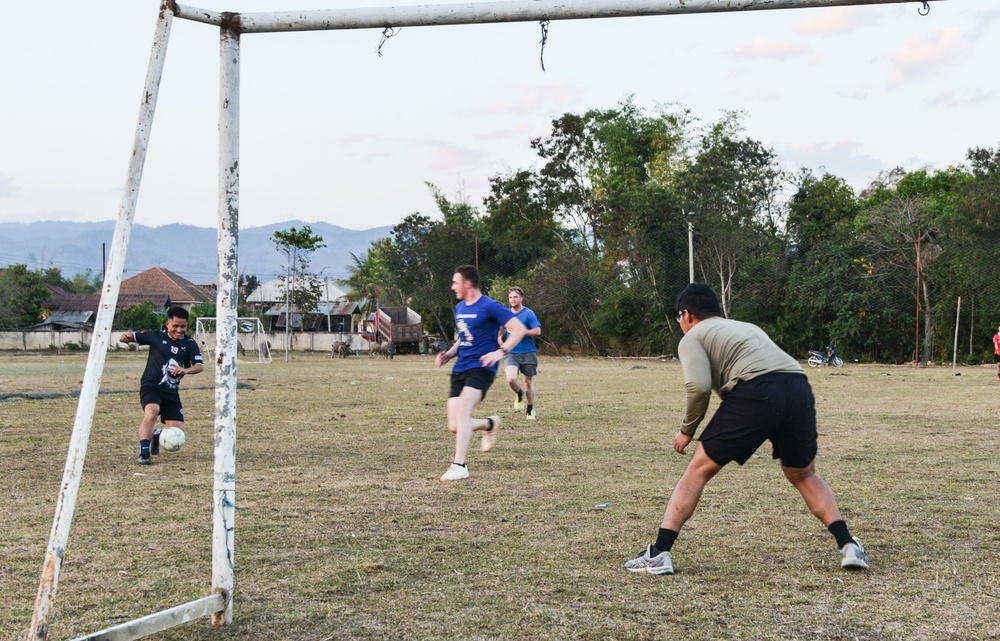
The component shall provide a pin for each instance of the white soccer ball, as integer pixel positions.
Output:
(172, 439)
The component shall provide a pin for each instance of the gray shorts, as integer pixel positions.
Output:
(526, 363)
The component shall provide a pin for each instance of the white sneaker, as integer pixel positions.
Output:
(490, 437)
(531, 415)
(854, 557)
(659, 564)
(455, 472)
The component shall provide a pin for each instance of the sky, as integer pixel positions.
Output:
(331, 131)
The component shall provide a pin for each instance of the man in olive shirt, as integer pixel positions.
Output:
(765, 396)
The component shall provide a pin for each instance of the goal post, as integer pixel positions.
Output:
(251, 341)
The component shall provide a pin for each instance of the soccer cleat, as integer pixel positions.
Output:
(659, 564)
(154, 445)
(145, 460)
(531, 415)
(455, 472)
(854, 557)
(490, 436)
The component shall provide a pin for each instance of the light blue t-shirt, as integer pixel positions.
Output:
(530, 321)
(478, 326)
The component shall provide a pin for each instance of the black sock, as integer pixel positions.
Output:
(664, 541)
(840, 532)
(144, 447)
(459, 464)
(528, 409)
(520, 395)
(490, 421)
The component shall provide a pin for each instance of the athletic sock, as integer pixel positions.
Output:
(520, 395)
(840, 532)
(490, 421)
(144, 447)
(664, 541)
(529, 408)
(459, 464)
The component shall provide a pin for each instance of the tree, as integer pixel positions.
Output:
(23, 295)
(138, 317)
(901, 235)
(370, 280)
(302, 290)
(733, 184)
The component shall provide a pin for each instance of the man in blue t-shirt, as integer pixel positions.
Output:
(478, 320)
(523, 358)
(172, 354)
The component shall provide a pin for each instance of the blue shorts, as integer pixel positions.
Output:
(776, 407)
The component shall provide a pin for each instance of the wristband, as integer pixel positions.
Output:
(504, 350)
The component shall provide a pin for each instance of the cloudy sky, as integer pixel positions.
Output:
(332, 131)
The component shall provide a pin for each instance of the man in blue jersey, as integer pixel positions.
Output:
(172, 355)
(478, 320)
(524, 357)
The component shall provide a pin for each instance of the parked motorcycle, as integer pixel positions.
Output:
(829, 357)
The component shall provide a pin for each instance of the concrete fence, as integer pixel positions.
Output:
(301, 341)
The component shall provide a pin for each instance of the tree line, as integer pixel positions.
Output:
(597, 235)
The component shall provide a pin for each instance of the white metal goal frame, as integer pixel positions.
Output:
(219, 604)
(250, 337)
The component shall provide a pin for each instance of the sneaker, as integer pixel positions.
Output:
(531, 415)
(854, 557)
(145, 460)
(519, 404)
(455, 472)
(154, 445)
(659, 564)
(490, 436)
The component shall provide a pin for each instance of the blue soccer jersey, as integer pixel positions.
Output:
(530, 321)
(478, 326)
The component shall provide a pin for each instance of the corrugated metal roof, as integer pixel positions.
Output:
(325, 309)
(273, 292)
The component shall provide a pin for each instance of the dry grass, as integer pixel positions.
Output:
(344, 531)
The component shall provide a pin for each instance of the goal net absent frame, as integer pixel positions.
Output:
(250, 337)
(231, 25)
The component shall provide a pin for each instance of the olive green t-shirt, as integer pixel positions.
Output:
(717, 353)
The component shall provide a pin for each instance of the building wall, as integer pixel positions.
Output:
(301, 341)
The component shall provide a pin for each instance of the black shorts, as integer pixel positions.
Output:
(525, 362)
(775, 407)
(479, 378)
(996, 358)
(170, 404)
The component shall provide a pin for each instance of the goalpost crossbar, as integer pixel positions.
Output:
(487, 13)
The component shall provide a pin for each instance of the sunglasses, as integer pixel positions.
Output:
(680, 315)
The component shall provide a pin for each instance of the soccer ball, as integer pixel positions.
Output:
(171, 439)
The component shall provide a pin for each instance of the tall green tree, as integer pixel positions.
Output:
(299, 285)
(23, 295)
(734, 184)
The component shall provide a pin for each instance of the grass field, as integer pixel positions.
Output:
(345, 532)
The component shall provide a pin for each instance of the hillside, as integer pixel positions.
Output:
(184, 249)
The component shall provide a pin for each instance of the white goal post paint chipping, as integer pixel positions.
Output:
(493, 12)
(219, 605)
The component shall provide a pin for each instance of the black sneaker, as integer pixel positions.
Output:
(154, 445)
(145, 460)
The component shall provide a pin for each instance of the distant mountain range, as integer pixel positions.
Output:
(186, 250)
